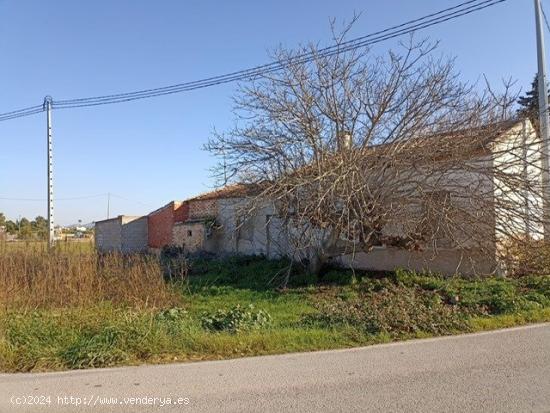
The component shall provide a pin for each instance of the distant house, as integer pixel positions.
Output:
(126, 234)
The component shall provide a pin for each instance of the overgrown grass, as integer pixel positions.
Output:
(40, 279)
(78, 246)
(212, 319)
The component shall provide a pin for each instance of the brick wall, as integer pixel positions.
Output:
(160, 225)
(181, 212)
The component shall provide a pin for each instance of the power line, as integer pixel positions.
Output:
(251, 72)
(410, 26)
(246, 74)
(545, 18)
(74, 198)
(131, 200)
(21, 112)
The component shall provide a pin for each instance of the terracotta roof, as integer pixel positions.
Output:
(478, 137)
(440, 143)
(229, 191)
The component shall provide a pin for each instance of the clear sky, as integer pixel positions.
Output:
(149, 152)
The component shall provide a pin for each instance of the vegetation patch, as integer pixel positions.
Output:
(236, 319)
(394, 310)
(408, 303)
(63, 278)
(215, 313)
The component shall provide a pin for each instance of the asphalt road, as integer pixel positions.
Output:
(505, 371)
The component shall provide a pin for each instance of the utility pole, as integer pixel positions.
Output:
(543, 119)
(51, 229)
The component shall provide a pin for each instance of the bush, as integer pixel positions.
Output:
(492, 296)
(527, 257)
(425, 281)
(175, 265)
(395, 310)
(250, 272)
(236, 319)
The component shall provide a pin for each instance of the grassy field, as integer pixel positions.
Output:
(232, 309)
(75, 245)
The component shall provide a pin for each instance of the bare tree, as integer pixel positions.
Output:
(357, 150)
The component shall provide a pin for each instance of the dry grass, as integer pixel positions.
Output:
(526, 257)
(33, 278)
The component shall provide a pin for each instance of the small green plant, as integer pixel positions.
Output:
(171, 314)
(236, 319)
(94, 349)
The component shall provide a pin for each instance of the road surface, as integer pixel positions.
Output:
(506, 370)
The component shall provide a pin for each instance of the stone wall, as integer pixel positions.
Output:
(121, 234)
(108, 235)
(190, 235)
(134, 234)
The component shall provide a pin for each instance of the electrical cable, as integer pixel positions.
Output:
(410, 26)
(276, 66)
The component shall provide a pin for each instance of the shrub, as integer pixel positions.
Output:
(425, 281)
(235, 319)
(488, 296)
(527, 257)
(175, 265)
(540, 284)
(250, 272)
(395, 310)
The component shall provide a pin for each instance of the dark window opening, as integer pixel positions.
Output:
(189, 233)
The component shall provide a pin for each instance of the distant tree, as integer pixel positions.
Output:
(11, 227)
(2, 219)
(24, 228)
(40, 227)
(529, 104)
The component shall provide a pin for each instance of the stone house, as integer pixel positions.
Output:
(209, 223)
(214, 222)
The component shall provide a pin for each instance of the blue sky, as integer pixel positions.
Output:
(149, 152)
